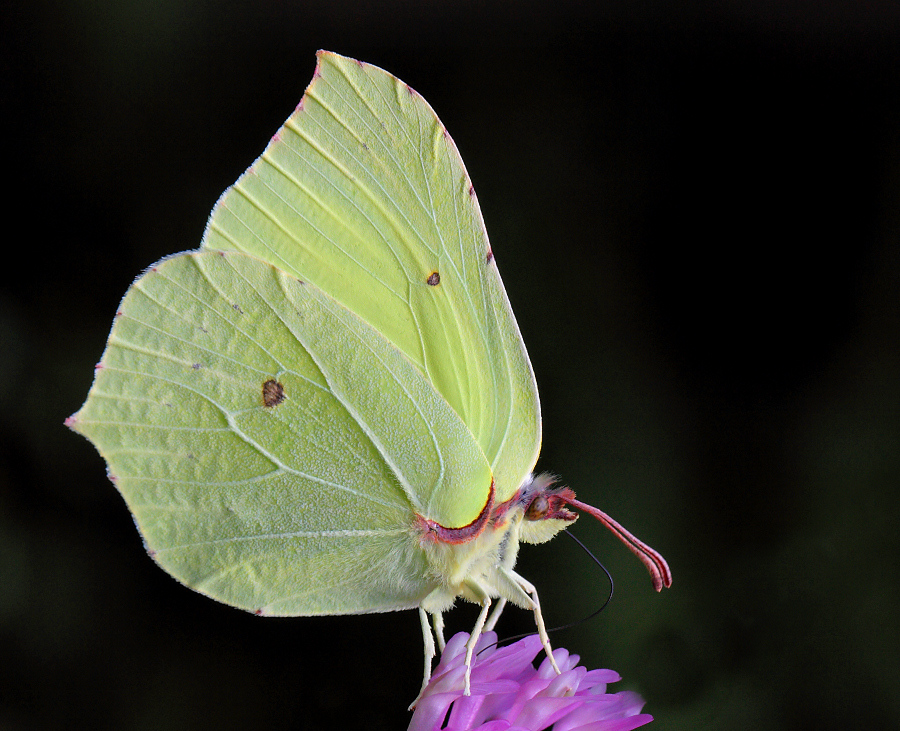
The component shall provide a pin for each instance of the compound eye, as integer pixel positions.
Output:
(538, 509)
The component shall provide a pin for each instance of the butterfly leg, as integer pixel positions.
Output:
(495, 615)
(429, 652)
(524, 594)
(437, 621)
(478, 594)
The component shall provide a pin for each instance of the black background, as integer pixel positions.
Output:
(695, 211)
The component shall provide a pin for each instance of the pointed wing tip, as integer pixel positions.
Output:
(72, 421)
(75, 423)
(325, 56)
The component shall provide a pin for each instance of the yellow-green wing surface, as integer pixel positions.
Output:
(363, 193)
(273, 446)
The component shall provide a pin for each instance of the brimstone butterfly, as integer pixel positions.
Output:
(328, 408)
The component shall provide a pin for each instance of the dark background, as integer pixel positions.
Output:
(695, 211)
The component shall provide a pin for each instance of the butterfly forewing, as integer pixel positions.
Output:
(363, 193)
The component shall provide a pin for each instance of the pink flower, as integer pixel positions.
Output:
(508, 694)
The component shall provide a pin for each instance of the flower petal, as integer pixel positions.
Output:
(509, 694)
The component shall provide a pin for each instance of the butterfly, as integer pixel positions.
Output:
(328, 407)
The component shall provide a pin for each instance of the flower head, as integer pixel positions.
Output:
(509, 694)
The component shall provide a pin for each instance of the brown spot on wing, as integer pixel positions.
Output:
(272, 393)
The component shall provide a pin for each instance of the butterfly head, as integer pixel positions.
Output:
(542, 507)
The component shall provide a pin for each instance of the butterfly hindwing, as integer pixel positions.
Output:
(274, 448)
